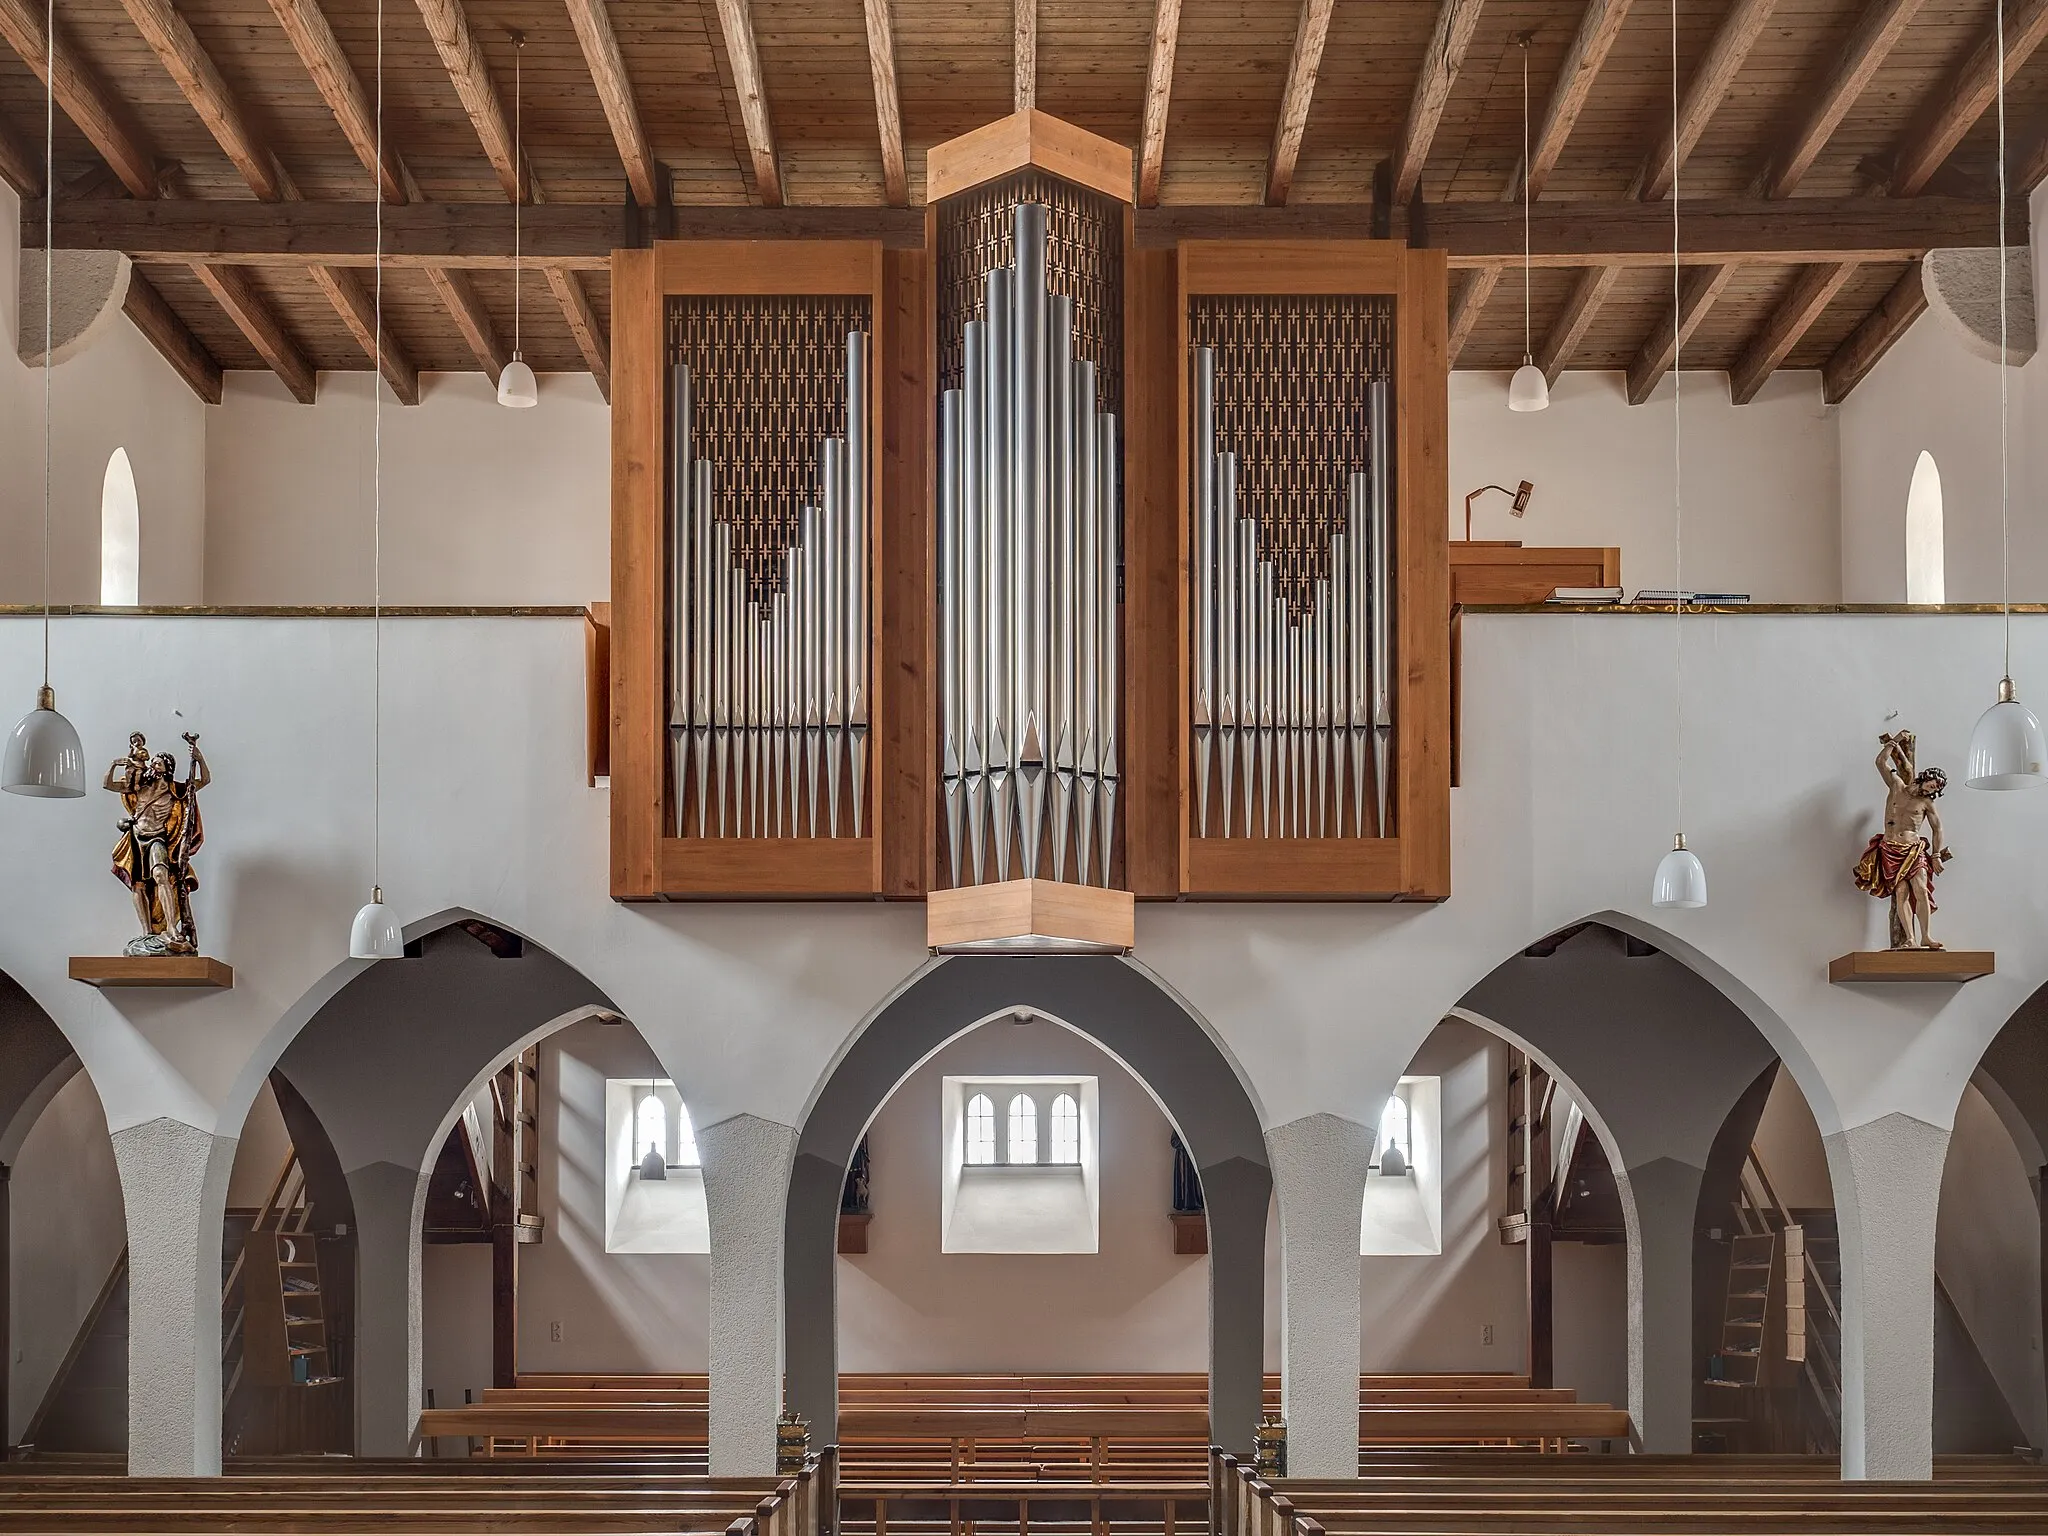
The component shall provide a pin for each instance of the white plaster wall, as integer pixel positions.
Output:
(1929, 393)
(1789, 1143)
(259, 1154)
(481, 505)
(1760, 479)
(1589, 1323)
(1987, 1251)
(67, 1229)
(117, 393)
(1133, 1306)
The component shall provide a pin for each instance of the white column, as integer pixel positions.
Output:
(1665, 1195)
(389, 1323)
(746, 1190)
(1887, 1177)
(1319, 1166)
(174, 1185)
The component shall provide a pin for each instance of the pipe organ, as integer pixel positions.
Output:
(1028, 543)
(1292, 705)
(1031, 554)
(768, 634)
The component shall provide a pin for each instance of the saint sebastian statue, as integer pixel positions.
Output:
(1900, 863)
(160, 831)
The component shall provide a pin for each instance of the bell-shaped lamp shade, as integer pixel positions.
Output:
(2007, 750)
(375, 935)
(517, 386)
(1681, 878)
(1393, 1163)
(653, 1165)
(1528, 390)
(43, 756)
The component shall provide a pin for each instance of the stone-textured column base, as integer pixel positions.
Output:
(746, 1188)
(1319, 1168)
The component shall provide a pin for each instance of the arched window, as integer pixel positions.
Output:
(120, 535)
(1066, 1129)
(1023, 1129)
(1394, 1127)
(650, 1127)
(981, 1130)
(1926, 575)
(686, 1138)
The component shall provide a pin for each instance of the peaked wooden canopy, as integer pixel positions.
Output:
(231, 145)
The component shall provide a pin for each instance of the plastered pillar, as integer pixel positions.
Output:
(173, 1183)
(746, 1188)
(389, 1327)
(1887, 1177)
(1319, 1165)
(1662, 1361)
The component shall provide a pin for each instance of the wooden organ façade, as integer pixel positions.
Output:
(1032, 552)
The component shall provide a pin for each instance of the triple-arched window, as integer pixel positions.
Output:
(1018, 1135)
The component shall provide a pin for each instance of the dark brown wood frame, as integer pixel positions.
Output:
(647, 863)
(1415, 863)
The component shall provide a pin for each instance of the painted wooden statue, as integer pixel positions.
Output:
(1900, 864)
(160, 831)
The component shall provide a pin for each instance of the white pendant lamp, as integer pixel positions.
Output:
(1528, 390)
(43, 758)
(375, 933)
(517, 387)
(2007, 749)
(1681, 880)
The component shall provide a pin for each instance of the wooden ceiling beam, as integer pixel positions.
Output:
(468, 71)
(458, 294)
(20, 165)
(351, 295)
(1158, 98)
(1811, 292)
(1470, 304)
(888, 109)
(1852, 361)
(1697, 292)
(235, 292)
(306, 27)
(100, 116)
(1877, 31)
(188, 63)
(1704, 92)
(736, 23)
(583, 235)
(1445, 55)
(1598, 28)
(1570, 327)
(591, 339)
(1023, 55)
(1311, 31)
(162, 328)
(1952, 111)
(600, 44)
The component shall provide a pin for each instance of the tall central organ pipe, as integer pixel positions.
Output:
(1028, 545)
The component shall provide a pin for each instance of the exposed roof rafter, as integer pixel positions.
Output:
(1158, 98)
(1698, 290)
(600, 45)
(1876, 33)
(1598, 29)
(1470, 304)
(100, 116)
(1704, 93)
(1580, 310)
(736, 23)
(1440, 65)
(1810, 294)
(1952, 111)
(1851, 362)
(888, 110)
(1310, 33)
(162, 328)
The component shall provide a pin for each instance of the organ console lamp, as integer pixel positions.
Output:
(1519, 496)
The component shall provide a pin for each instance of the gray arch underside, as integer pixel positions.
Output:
(1128, 1015)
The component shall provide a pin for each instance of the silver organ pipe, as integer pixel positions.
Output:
(769, 656)
(1028, 515)
(1292, 706)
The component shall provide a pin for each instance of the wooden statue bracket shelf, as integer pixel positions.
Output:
(673, 839)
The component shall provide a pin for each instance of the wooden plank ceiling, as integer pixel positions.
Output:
(1834, 140)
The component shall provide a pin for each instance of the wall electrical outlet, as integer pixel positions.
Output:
(555, 1333)
(1485, 1333)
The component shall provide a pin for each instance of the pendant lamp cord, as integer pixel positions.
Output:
(518, 172)
(377, 506)
(1527, 198)
(2004, 384)
(49, 295)
(1677, 453)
